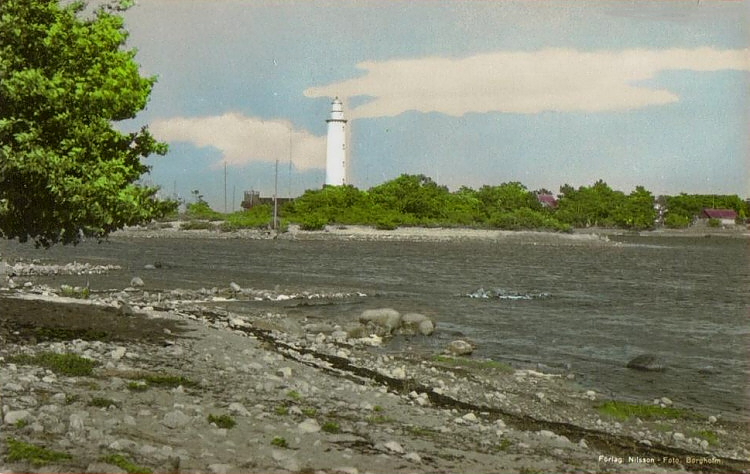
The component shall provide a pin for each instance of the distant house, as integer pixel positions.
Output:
(253, 198)
(547, 200)
(725, 216)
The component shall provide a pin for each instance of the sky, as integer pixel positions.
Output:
(468, 92)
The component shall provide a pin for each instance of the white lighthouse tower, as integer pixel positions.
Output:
(336, 149)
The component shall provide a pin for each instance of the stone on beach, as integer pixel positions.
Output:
(13, 417)
(310, 425)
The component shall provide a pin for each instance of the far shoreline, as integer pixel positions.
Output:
(425, 234)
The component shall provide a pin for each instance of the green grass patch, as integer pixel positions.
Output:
(309, 412)
(279, 442)
(168, 381)
(419, 431)
(222, 421)
(137, 386)
(467, 363)
(624, 411)
(101, 402)
(71, 398)
(62, 364)
(378, 419)
(281, 410)
(75, 292)
(294, 395)
(331, 427)
(36, 455)
(124, 463)
(22, 423)
(709, 435)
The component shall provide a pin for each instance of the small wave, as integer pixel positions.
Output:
(499, 293)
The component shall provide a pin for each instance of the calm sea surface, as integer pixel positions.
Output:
(587, 308)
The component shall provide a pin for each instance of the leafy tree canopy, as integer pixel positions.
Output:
(65, 171)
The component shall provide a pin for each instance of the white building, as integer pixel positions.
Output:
(336, 145)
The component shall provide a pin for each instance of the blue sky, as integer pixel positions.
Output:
(468, 92)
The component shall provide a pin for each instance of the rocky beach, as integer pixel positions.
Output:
(140, 380)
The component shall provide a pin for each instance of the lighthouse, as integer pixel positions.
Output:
(336, 145)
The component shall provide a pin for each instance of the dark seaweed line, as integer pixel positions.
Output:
(622, 446)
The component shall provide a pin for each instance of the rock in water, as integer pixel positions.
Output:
(647, 362)
(385, 318)
(459, 348)
(136, 282)
(416, 323)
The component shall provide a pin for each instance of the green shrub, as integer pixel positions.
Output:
(313, 223)
(676, 221)
(714, 223)
(222, 421)
(280, 442)
(527, 219)
(331, 427)
(197, 225)
(258, 217)
(201, 210)
(386, 224)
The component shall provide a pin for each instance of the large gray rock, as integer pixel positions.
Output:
(416, 323)
(459, 348)
(310, 425)
(13, 417)
(387, 319)
(647, 362)
(175, 419)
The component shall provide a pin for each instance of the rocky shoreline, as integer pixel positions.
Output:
(177, 383)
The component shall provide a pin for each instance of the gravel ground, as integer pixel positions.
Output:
(180, 385)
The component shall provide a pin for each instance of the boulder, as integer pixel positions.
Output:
(416, 323)
(13, 417)
(387, 319)
(648, 363)
(136, 282)
(426, 328)
(459, 347)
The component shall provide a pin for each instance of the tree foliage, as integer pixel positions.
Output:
(65, 171)
(687, 206)
(417, 200)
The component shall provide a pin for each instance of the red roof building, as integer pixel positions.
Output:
(547, 200)
(730, 214)
(727, 217)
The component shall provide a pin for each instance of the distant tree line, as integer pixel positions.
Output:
(417, 200)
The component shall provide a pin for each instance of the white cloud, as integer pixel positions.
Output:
(524, 82)
(243, 140)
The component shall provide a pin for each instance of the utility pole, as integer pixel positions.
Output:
(275, 195)
(225, 187)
